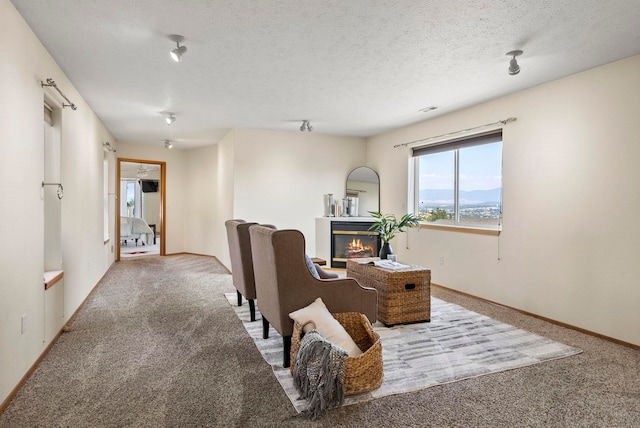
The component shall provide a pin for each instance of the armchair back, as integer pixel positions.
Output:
(241, 258)
(284, 284)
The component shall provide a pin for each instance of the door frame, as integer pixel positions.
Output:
(163, 201)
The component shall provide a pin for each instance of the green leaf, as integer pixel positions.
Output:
(388, 225)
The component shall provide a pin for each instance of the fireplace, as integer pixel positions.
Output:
(352, 240)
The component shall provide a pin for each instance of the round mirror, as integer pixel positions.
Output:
(363, 183)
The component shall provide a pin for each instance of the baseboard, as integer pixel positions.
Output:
(46, 350)
(540, 317)
(190, 253)
(28, 374)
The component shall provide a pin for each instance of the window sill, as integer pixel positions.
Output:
(463, 229)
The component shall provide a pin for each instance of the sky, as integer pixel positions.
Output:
(131, 195)
(480, 168)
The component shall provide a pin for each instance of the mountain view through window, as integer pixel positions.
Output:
(475, 172)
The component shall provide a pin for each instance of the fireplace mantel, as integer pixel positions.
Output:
(323, 233)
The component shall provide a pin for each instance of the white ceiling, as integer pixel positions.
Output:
(352, 67)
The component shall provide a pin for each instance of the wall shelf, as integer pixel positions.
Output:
(51, 277)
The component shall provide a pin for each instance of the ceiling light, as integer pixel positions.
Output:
(170, 119)
(177, 53)
(168, 144)
(514, 68)
(306, 126)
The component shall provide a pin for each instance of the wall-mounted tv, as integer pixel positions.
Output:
(149, 186)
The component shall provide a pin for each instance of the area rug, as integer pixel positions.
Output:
(457, 344)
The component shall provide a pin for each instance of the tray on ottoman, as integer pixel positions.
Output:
(404, 295)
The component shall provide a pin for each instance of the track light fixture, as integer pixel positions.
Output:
(177, 53)
(170, 118)
(168, 144)
(306, 126)
(514, 68)
(108, 147)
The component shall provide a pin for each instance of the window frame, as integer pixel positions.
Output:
(455, 145)
(105, 198)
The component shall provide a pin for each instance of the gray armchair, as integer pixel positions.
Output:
(284, 284)
(241, 262)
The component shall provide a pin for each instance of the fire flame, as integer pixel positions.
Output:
(356, 248)
(356, 245)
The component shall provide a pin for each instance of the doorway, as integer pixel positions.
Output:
(141, 208)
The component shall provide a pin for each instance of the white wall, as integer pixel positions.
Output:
(86, 257)
(224, 196)
(569, 246)
(201, 194)
(281, 177)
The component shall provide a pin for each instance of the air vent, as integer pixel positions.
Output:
(428, 109)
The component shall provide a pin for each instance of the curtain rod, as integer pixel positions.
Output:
(52, 83)
(60, 190)
(504, 122)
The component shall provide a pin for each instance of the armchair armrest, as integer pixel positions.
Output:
(323, 273)
(347, 295)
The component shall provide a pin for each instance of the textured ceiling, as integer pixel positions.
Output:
(352, 67)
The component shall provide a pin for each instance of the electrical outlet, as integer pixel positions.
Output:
(441, 260)
(23, 324)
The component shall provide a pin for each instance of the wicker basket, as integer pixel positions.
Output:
(364, 372)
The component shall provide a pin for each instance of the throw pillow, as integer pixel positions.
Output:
(326, 325)
(311, 267)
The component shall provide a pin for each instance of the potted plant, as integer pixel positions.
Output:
(387, 226)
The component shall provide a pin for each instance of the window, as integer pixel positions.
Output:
(460, 182)
(131, 204)
(105, 197)
(52, 204)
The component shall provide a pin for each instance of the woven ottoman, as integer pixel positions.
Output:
(404, 296)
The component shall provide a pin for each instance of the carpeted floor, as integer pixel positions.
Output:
(157, 345)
